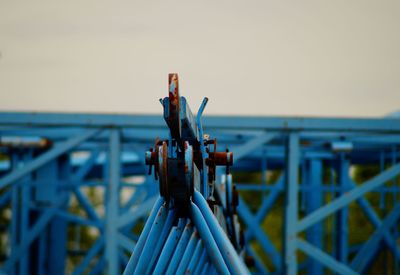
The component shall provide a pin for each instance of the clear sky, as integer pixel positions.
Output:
(327, 58)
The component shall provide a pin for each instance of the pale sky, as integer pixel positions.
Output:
(325, 58)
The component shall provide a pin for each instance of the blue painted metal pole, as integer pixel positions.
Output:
(180, 249)
(93, 251)
(189, 251)
(112, 203)
(205, 270)
(324, 258)
(261, 268)
(201, 262)
(161, 240)
(226, 247)
(342, 241)
(168, 249)
(209, 242)
(314, 201)
(195, 258)
(130, 268)
(152, 240)
(291, 207)
(204, 181)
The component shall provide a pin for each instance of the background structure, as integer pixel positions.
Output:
(321, 194)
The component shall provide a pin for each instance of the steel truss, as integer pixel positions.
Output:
(50, 161)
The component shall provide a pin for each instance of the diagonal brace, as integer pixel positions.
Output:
(46, 157)
(347, 198)
(369, 249)
(324, 258)
(244, 149)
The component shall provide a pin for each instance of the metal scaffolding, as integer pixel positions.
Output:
(51, 162)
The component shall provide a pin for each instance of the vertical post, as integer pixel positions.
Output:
(314, 201)
(291, 208)
(57, 245)
(25, 204)
(342, 216)
(112, 203)
(45, 194)
(14, 214)
(264, 175)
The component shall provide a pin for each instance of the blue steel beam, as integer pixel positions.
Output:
(386, 125)
(259, 234)
(254, 143)
(139, 212)
(343, 214)
(314, 201)
(370, 248)
(291, 208)
(126, 243)
(46, 157)
(93, 251)
(375, 220)
(34, 232)
(324, 258)
(112, 203)
(347, 198)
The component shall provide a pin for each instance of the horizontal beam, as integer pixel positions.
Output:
(46, 157)
(388, 125)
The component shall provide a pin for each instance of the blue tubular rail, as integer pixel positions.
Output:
(180, 249)
(210, 244)
(196, 247)
(194, 239)
(192, 248)
(152, 239)
(143, 237)
(228, 252)
(168, 249)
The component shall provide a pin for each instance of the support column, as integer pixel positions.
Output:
(342, 216)
(25, 204)
(112, 203)
(58, 227)
(291, 207)
(314, 201)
